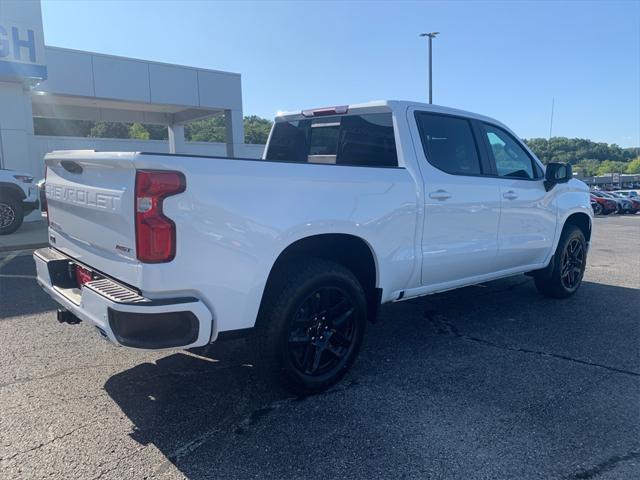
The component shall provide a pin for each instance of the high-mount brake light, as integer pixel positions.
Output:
(155, 232)
(321, 112)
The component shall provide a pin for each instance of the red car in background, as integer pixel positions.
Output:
(635, 201)
(603, 206)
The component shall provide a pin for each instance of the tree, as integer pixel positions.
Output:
(587, 168)
(110, 130)
(634, 166)
(256, 129)
(575, 150)
(611, 166)
(156, 132)
(138, 132)
(208, 130)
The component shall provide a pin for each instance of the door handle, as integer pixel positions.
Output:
(440, 195)
(510, 195)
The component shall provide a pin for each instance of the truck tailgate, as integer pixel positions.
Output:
(90, 198)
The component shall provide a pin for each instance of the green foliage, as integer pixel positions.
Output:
(611, 166)
(138, 132)
(634, 166)
(109, 130)
(208, 130)
(256, 129)
(587, 168)
(576, 150)
(156, 132)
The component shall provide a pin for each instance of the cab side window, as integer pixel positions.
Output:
(511, 160)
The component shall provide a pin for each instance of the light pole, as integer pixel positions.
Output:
(431, 36)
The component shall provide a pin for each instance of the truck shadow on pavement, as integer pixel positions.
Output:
(473, 370)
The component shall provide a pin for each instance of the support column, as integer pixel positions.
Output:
(234, 132)
(16, 130)
(176, 138)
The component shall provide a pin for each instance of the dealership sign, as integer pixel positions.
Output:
(21, 51)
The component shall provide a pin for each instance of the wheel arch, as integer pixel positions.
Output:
(351, 251)
(582, 221)
(12, 190)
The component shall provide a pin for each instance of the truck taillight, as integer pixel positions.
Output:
(155, 233)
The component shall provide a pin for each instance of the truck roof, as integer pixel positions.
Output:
(399, 105)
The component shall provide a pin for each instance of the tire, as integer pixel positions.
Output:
(11, 215)
(597, 209)
(312, 327)
(564, 275)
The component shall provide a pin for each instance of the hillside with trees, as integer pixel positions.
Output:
(587, 158)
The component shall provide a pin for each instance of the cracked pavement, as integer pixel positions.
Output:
(492, 381)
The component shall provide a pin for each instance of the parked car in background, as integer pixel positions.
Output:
(623, 205)
(635, 201)
(629, 193)
(18, 198)
(603, 206)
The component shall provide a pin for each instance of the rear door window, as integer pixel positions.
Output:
(449, 144)
(362, 140)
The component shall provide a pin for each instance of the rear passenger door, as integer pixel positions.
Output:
(528, 213)
(461, 201)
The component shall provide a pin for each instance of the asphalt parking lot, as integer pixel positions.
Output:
(492, 381)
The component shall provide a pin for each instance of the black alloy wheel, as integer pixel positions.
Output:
(311, 326)
(322, 332)
(572, 264)
(563, 276)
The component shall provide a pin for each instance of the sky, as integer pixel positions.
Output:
(507, 60)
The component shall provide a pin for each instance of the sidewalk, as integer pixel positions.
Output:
(30, 235)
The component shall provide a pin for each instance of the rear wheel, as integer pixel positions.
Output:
(313, 330)
(11, 215)
(567, 267)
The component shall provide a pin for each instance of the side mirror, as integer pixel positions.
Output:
(557, 173)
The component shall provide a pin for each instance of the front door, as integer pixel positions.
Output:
(528, 218)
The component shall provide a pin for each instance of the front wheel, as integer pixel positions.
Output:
(567, 267)
(313, 330)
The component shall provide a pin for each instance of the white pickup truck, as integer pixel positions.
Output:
(350, 207)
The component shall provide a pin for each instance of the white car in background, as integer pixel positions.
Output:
(18, 198)
(629, 193)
